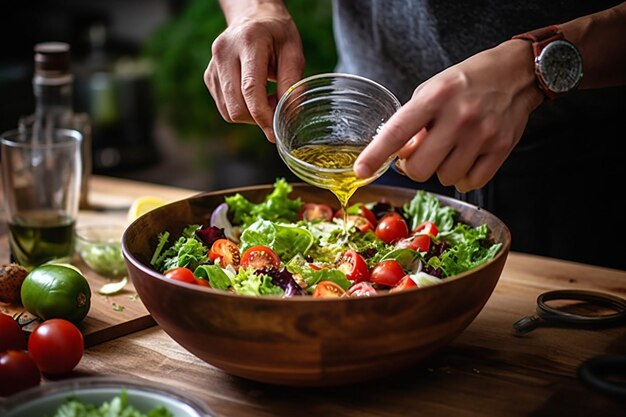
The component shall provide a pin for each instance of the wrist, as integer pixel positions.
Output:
(235, 10)
(521, 61)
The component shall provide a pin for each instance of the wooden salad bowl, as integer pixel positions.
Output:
(305, 341)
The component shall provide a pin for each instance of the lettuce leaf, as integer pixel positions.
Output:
(248, 282)
(277, 206)
(187, 252)
(215, 275)
(285, 239)
(467, 250)
(426, 207)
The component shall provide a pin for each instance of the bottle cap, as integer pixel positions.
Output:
(52, 59)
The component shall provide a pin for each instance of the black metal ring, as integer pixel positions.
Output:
(595, 373)
(598, 298)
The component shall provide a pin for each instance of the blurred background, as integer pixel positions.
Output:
(138, 67)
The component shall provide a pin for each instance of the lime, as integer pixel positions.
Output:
(56, 291)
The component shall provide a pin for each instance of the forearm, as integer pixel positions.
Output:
(234, 9)
(601, 40)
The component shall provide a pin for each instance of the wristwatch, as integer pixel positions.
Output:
(558, 64)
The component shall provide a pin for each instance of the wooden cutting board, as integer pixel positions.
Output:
(109, 317)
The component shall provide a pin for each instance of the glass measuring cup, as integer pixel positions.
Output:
(323, 122)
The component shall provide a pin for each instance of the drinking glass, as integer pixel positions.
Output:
(323, 122)
(41, 181)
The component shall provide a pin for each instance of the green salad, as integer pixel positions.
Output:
(117, 407)
(287, 247)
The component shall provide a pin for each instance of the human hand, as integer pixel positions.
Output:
(462, 123)
(261, 44)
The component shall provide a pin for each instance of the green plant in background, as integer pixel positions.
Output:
(181, 50)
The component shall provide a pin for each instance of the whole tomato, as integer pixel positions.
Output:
(56, 346)
(11, 336)
(18, 371)
(391, 228)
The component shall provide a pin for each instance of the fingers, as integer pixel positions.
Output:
(237, 81)
(254, 67)
(401, 127)
(484, 168)
(212, 83)
(290, 68)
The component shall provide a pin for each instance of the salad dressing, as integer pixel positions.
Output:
(338, 175)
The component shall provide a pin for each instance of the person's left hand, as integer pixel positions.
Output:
(462, 123)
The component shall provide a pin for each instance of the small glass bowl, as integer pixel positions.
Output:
(100, 248)
(143, 395)
(336, 110)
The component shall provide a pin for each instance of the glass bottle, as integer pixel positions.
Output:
(53, 90)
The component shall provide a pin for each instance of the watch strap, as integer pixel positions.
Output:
(541, 37)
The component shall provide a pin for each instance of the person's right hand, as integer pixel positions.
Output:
(261, 44)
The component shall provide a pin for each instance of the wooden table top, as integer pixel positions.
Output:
(486, 371)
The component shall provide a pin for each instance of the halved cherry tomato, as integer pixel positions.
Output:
(361, 223)
(368, 214)
(314, 267)
(227, 252)
(428, 228)
(181, 274)
(361, 289)
(417, 242)
(313, 211)
(388, 273)
(353, 266)
(260, 257)
(328, 289)
(391, 228)
(404, 284)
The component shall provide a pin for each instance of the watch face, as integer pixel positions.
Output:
(560, 66)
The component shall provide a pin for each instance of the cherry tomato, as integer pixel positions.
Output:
(11, 335)
(202, 282)
(56, 346)
(417, 242)
(260, 257)
(361, 223)
(18, 372)
(353, 266)
(328, 289)
(368, 214)
(226, 251)
(428, 228)
(391, 228)
(404, 284)
(181, 274)
(361, 289)
(388, 273)
(313, 211)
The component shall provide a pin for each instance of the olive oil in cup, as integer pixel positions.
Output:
(322, 123)
(41, 178)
